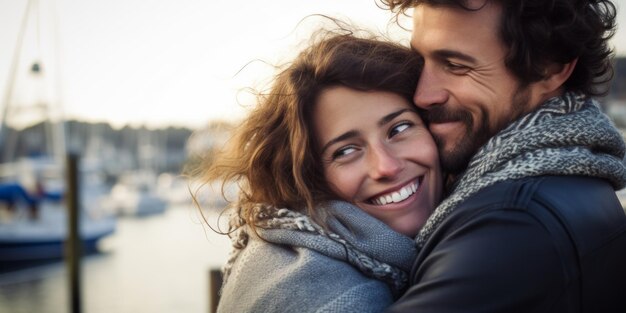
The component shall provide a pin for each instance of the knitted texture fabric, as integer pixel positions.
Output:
(365, 242)
(567, 135)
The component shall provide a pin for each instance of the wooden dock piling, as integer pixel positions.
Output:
(73, 242)
(215, 283)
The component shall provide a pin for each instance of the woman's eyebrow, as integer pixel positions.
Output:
(353, 133)
(344, 136)
(389, 117)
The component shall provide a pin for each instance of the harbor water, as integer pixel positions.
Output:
(154, 264)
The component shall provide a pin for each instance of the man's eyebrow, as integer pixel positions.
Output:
(446, 54)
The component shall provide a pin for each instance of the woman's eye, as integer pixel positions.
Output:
(342, 152)
(399, 128)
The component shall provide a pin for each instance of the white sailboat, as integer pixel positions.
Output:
(32, 185)
(135, 192)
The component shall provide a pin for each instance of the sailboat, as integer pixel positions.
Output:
(33, 213)
(135, 192)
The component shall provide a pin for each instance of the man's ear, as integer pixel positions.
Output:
(556, 75)
(552, 83)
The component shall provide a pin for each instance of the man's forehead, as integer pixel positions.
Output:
(447, 32)
(433, 20)
(466, 4)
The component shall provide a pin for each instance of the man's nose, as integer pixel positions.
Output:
(430, 89)
(384, 164)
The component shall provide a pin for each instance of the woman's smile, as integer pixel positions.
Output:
(399, 195)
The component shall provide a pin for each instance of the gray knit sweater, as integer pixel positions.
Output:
(298, 271)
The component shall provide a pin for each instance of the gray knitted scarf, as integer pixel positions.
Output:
(270, 217)
(567, 135)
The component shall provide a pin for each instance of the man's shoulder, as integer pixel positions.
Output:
(557, 192)
(587, 208)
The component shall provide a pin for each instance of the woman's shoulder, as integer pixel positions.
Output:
(270, 261)
(270, 277)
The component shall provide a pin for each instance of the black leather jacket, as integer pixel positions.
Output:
(543, 244)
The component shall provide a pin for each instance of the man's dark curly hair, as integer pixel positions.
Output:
(543, 32)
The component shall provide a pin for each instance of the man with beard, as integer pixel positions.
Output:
(531, 222)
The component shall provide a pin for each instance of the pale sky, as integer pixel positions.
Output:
(174, 62)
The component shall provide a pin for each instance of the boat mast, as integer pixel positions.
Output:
(44, 97)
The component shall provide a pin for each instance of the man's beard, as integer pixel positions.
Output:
(455, 160)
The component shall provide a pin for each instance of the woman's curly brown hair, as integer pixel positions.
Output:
(272, 154)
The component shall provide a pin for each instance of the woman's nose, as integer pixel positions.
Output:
(384, 163)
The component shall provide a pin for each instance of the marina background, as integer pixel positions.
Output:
(148, 87)
(179, 63)
(155, 264)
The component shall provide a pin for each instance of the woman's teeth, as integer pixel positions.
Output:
(397, 196)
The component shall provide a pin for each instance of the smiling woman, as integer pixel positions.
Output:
(333, 158)
(378, 154)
